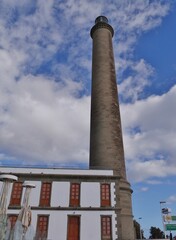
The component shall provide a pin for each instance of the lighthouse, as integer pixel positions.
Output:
(106, 142)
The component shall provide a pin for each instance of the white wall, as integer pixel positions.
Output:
(90, 224)
(90, 194)
(60, 194)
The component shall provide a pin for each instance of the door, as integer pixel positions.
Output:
(73, 228)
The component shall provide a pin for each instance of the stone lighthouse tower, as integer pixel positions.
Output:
(106, 143)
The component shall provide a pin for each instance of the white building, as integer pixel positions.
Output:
(66, 203)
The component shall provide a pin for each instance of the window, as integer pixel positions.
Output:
(73, 228)
(12, 218)
(16, 194)
(106, 228)
(42, 227)
(75, 194)
(105, 195)
(45, 194)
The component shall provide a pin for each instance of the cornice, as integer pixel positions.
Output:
(101, 25)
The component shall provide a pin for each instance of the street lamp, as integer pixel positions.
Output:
(7, 179)
(24, 218)
(162, 202)
(140, 227)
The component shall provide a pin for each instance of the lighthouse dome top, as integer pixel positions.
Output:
(101, 19)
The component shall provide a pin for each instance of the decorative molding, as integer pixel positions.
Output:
(66, 177)
(69, 208)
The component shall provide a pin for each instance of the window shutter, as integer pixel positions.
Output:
(105, 195)
(45, 194)
(42, 227)
(106, 228)
(74, 194)
(16, 194)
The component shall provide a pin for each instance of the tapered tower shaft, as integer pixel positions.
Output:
(106, 145)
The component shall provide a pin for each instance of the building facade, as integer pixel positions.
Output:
(66, 203)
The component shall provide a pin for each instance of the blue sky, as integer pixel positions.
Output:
(45, 79)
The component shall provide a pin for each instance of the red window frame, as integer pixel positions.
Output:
(106, 228)
(16, 194)
(73, 228)
(42, 227)
(75, 194)
(45, 194)
(12, 218)
(105, 195)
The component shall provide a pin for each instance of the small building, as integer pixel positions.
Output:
(66, 202)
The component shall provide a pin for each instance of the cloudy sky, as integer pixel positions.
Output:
(45, 79)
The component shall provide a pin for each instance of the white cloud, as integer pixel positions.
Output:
(144, 189)
(132, 87)
(40, 123)
(141, 15)
(171, 199)
(149, 136)
(154, 182)
(142, 171)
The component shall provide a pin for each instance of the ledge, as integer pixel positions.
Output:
(69, 208)
(65, 177)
